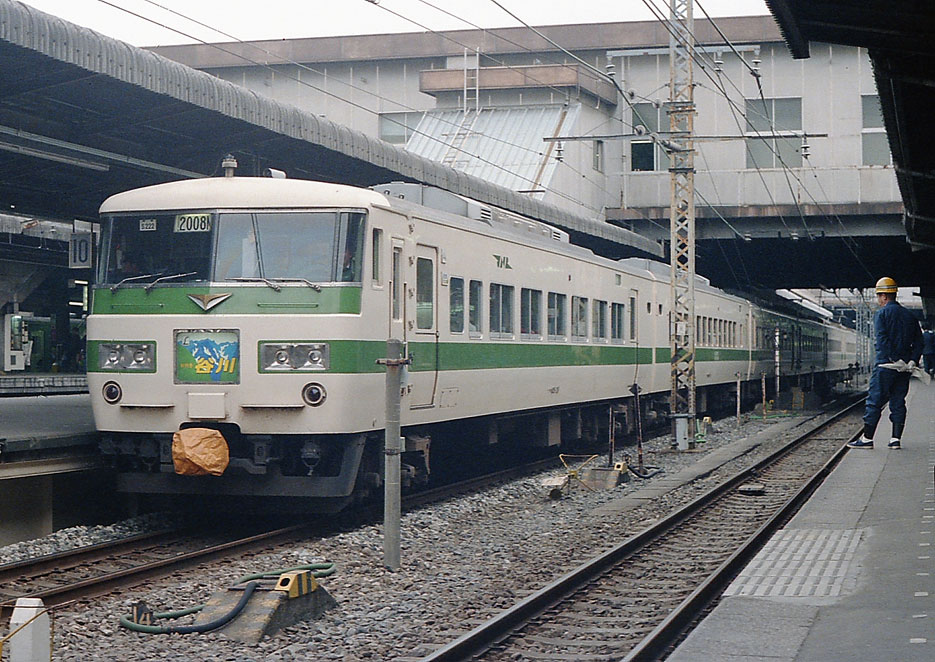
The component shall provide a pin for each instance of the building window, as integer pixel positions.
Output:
(557, 303)
(456, 305)
(645, 155)
(766, 119)
(530, 323)
(598, 160)
(397, 128)
(874, 147)
(501, 311)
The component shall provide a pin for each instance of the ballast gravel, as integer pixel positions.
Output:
(463, 561)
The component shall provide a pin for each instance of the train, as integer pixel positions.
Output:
(254, 312)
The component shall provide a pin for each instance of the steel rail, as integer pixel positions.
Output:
(501, 626)
(95, 586)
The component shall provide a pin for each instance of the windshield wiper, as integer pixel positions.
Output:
(314, 286)
(113, 288)
(162, 278)
(257, 279)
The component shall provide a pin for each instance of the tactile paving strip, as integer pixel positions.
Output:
(814, 563)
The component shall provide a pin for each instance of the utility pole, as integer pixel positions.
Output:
(682, 220)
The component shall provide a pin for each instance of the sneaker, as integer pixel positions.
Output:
(894, 443)
(863, 442)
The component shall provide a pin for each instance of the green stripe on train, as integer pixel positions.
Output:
(261, 300)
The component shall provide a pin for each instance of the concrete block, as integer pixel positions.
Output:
(267, 612)
(603, 478)
(32, 643)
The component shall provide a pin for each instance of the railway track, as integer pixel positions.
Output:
(633, 601)
(91, 571)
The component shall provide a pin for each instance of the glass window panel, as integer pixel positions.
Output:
(495, 299)
(872, 114)
(875, 149)
(642, 156)
(632, 318)
(787, 115)
(557, 314)
(647, 115)
(789, 150)
(530, 312)
(759, 153)
(506, 309)
(376, 248)
(425, 293)
(757, 112)
(281, 256)
(599, 320)
(474, 306)
(617, 315)
(237, 255)
(579, 317)
(456, 305)
(397, 281)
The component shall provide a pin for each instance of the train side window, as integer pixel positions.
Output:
(501, 311)
(632, 318)
(530, 315)
(579, 318)
(425, 293)
(376, 252)
(649, 308)
(617, 316)
(456, 305)
(397, 282)
(557, 316)
(475, 289)
(599, 320)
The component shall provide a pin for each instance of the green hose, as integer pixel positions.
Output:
(318, 570)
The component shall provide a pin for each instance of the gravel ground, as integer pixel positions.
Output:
(462, 562)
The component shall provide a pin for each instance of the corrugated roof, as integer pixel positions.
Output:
(26, 27)
(501, 145)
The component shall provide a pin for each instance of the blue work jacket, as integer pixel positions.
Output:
(898, 334)
(928, 342)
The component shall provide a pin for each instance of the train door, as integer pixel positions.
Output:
(422, 326)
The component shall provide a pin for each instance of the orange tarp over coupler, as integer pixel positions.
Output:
(199, 451)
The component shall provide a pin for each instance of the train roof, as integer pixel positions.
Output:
(239, 192)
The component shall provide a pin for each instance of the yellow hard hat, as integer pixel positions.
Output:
(886, 285)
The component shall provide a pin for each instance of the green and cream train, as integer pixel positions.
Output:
(256, 309)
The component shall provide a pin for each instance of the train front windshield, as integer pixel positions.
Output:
(201, 246)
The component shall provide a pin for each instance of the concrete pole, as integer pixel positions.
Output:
(393, 446)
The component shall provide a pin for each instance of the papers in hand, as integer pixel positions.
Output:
(911, 367)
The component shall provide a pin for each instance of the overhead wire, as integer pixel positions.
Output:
(307, 84)
(787, 170)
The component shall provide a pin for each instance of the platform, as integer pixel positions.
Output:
(852, 576)
(34, 383)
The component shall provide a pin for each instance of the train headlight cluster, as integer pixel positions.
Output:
(286, 357)
(132, 356)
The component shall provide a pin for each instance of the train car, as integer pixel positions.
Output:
(258, 308)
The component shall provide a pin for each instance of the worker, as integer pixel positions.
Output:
(898, 338)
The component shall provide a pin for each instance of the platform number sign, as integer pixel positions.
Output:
(79, 250)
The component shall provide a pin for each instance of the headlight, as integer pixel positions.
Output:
(127, 356)
(286, 357)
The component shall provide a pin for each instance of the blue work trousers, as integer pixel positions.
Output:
(887, 385)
